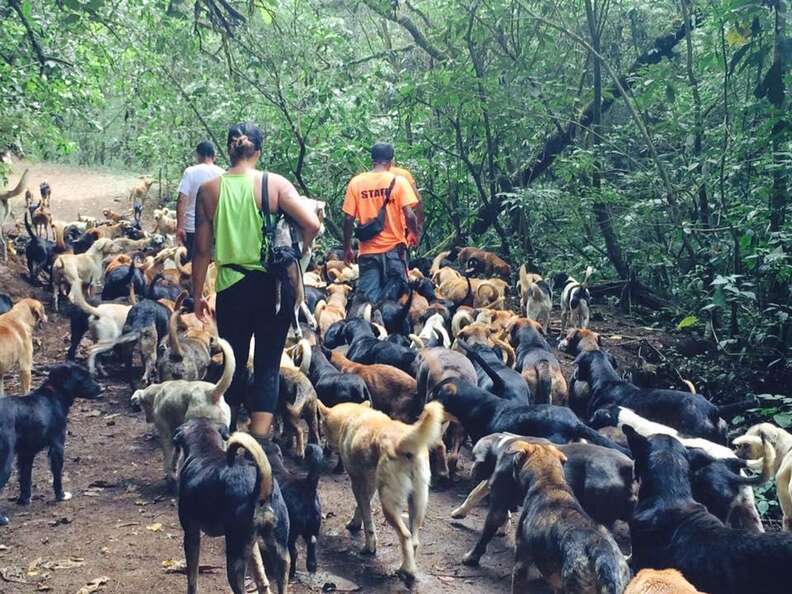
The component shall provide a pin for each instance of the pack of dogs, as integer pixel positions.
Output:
(616, 488)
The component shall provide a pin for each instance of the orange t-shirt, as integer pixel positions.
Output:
(364, 198)
(404, 173)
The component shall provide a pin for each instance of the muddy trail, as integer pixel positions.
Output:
(120, 532)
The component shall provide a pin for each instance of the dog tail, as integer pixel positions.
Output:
(107, 345)
(468, 300)
(592, 436)
(729, 410)
(176, 351)
(425, 432)
(306, 354)
(544, 383)
(459, 321)
(314, 461)
(251, 446)
(367, 312)
(499, 386)
(608, 566)
(416, 342)
(228, 371)
(589, 272)
(20, 187)
(27, 224)
(79, 300)
(177, 257)
(690, 386)
(492, 298)
(322, 408)
(319, 308)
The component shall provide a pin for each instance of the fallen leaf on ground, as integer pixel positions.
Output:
(15, 575)
(156, 527)
(34, 565)
(180, 566)
(93, 585)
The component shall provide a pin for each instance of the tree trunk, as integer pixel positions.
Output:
(774, 86)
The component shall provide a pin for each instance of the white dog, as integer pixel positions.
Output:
(86, 269)
(536, 297)
(171, 403)
(770, 448)
(433, 333)
(5, 209)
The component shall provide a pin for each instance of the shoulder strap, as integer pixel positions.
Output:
(389, 191)
(268, 225)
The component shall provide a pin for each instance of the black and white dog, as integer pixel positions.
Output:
(31, 423)
(575, 302)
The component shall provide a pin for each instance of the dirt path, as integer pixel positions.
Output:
(121, 524)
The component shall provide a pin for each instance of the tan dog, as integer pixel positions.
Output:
(164, 224)
(536, 297)
(580, 340)
(297, 402)
(769, 448)
(660, 581)
(392, 390)
(112, 216)
(537, 363)
(5, 209)
(171, 403)
(481, 333)
(16, 340)
(392, 458)
(140, 191)
(85, 269)
(334, 309)
(483, 262)
(42, 221)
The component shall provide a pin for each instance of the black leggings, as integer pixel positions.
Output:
(247, 309)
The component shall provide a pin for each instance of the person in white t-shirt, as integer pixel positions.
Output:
(192, 179)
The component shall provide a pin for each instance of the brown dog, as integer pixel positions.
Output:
(334, 309)
(555, 537)
(392, 390)
(580, 340)
(392, 458)
(298, 401)
(16, 340)
(112, 216)
(140, 191)
(42, 221)
(483, 262)
(537, 363)
(660, 581)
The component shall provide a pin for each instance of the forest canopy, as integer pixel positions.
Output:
(649, 139)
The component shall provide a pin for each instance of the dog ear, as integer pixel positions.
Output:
(559, 454)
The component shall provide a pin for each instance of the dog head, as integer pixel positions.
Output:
(102, 246)
(579, 340)
(535, 462)
(751, 446)
(605, 417)
(36, 313)
(144, 399)
(521, 327)
(476, 333)
(71, 380)
(200, 431)
(661, 463)
(339, 289)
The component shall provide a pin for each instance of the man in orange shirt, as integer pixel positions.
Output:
(383, 258)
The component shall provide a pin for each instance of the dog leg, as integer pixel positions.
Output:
(256, 566)
(524, 571)
(312, 323)
(192, 555)
(391, 508)
(2, 386)
(293, 555)
(784, 490)
(478, 493)
(312, 420)
(496, 516)
(417, 511)
(25, 470)
(277, 562)
(238, 551)
(310, 553)
(56, 467)
(296, 429)
(363, 491)
(6, 467)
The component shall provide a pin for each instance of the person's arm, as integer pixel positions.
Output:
(181, 213)
(349, 226)
(411, 220)
(419, 216)
(201, 254)
(299, 211)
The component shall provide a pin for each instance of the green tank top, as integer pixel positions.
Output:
(237, 229)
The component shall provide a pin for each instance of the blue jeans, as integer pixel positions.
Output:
(382, 275)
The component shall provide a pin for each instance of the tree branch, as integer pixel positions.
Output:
(419, 38)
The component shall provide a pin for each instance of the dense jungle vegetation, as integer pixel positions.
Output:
(649, 139)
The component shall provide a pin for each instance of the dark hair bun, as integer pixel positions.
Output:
(243, 141)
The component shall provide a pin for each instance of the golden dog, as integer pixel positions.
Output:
(392, 458)
(334, 309)
(85, 269)
(16, 340)
(660, 581)
(483, 262)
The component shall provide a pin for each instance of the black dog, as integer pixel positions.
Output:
(5, 303)
(118, 281)
(366, 348)
(31, 423)
(302, 501)
(39, 253)
(394, 313)
(222, 496)
(691, 414)
(482, 414)
(332, 386)
(669, 529)
(494, 376)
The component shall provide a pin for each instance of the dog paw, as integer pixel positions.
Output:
(407, 577)
(353, 526)
(470, 560)
(65, 496)
(459, 513)
(368, 550)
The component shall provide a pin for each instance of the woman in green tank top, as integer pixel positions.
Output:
(228, 211)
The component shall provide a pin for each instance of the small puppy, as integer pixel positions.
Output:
(555, 536)
(575, 302)
(171, 403)
(392, 458)
(86, 269)
(660, 581)
(220, 495)
(770, 448)
(16, 340)
(38, 421)
(334, 310)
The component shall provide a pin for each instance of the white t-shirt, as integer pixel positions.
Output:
(190, 182)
